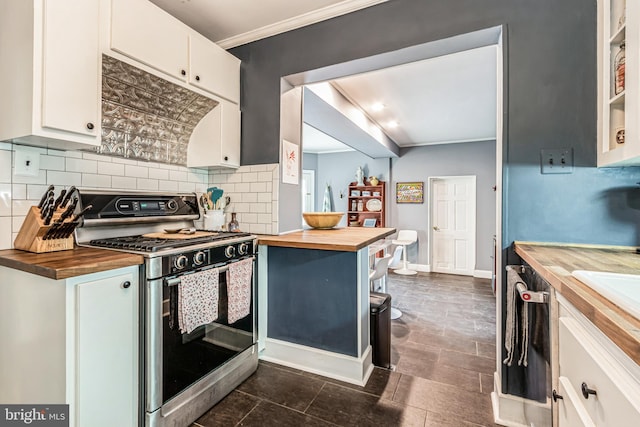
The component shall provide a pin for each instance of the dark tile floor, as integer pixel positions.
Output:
(443, 350)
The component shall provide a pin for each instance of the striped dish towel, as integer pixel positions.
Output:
(239, 289)
(198, 299)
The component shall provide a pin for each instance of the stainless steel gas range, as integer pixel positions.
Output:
(197, 299)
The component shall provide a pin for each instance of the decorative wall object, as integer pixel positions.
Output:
(145, 117)
(410, 192)
(290, 162)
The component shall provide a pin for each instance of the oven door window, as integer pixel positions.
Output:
(190, 357)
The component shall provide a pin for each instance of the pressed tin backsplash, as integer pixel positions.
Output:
(145, 117)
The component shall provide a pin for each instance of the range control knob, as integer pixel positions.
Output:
(172, 205)
(243, 248)
(181, 262)
(199, 258)
(230, 251)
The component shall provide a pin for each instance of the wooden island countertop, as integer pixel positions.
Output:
(65, 264)
(347, 239)
(555, 262)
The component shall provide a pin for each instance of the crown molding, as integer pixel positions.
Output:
(299, 21)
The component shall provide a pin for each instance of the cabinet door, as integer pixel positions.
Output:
(230, 135)
(214, 69)
(70, 66)
(582, 360)
(107, 351)
(146, 33)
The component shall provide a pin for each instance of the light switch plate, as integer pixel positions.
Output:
(27, 163)
(556, 160)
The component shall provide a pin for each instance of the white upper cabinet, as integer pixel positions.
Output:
(618, 82)
(213, 69)
(146, 33)
(50, 69)
(215, 140)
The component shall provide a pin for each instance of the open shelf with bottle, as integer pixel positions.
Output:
(618, 83)
(366, 202)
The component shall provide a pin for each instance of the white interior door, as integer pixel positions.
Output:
(308, 190)
(453, 224)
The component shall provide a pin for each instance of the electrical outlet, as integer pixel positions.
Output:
(557, 160)
(27, 163)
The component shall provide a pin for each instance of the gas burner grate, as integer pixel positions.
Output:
(150, 244)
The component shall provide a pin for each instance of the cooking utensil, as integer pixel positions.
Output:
(180, 230)
(45, 196)
(45, 207)
(59, 199)
(69, 211)
(50, 210)
(66, 199)
(215, 193)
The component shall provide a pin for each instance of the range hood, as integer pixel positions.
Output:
(145, 117)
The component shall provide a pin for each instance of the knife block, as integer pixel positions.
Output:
(30, 236)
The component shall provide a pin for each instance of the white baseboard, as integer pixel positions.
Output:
(514, 411)
(483, 274)
(341, 367)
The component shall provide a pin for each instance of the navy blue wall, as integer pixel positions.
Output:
(312, 298)
(550, 101)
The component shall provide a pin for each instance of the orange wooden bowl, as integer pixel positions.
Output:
(322, 220)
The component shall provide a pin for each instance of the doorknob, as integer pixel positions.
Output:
(435, 227)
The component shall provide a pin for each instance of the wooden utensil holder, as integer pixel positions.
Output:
(30, 236)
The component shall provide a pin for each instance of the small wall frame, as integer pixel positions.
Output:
(410, 192)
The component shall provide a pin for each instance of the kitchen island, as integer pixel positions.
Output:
(314, 300)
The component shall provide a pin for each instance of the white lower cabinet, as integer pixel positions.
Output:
(599, 384)
(72, 341)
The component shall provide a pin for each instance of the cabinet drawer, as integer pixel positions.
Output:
(571, 412)
(584, 360)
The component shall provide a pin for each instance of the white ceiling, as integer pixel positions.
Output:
(448, 98)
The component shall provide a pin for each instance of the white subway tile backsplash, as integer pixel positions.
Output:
(136, 171)
(73, 154)
(250, 187)
(6, 237)
(167, 186)
(64, 178)
(258, 187)
(6, 197)
(175, 175)
(188, 187)
(105, 168)
(23, 191)
(156, 173)
(124, 161)
(21, 179)
(250, 177)
(55, 163)
(81, 165)
(249, 197)
(20, 207)
(265, 176)
(5, 166)
(123, 182)
(96, 181)
(147, 184)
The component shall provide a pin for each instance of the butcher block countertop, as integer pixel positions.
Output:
(555, 262)
(66, 264)
(347, 239)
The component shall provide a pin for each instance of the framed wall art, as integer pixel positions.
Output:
(410, 192)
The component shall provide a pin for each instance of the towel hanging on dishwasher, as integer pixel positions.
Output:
(513, 324)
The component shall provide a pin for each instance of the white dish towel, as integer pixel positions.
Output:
(198, 299)
(239, 289)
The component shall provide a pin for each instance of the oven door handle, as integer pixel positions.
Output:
(173, 281)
